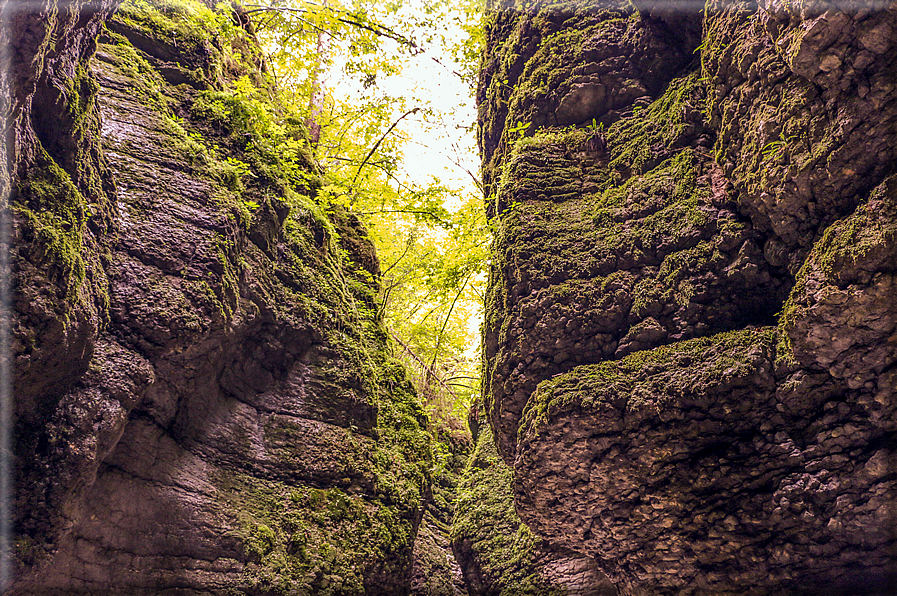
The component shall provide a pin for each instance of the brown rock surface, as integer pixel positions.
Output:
(498, 553)
(205, 403)
(669, 411)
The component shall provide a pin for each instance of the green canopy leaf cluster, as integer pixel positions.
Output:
(329, 61)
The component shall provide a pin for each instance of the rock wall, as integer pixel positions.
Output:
(497, 552)
(435, 570)
(691, 314)
(205, 401)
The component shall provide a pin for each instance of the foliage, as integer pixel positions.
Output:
(274, 142)
(431, 238)
(307, 40)
(430, 296)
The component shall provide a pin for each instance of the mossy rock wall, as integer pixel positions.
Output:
(499, 554)
(206, 401)
(689, 318)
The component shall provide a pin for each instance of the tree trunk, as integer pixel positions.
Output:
(318, 87)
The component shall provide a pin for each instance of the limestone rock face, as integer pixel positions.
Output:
(804, 113)
(501, 555)
(205, 403)
(690, 328)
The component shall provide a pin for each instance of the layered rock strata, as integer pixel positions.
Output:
(205, 401)
(690, 330)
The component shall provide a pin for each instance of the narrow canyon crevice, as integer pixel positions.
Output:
(690, 335)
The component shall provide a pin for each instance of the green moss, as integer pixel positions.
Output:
(306, 540)
(850, 248)
(626, 383)
(54, 213)
(519, 76)
(145, 81)
(717, 42)
(543, 138)
(550, 67)
(678, 268)
(866, 236)
(232, 138)
(277, 149)
(238, 112)
(73, 142)
(551, 182)
(80, 94)
(186, 24)
(209, 47)
(311, 540)
(569, 215)
(432, 562)
(62, 188)
(662, 207)
(664, 123)
(503, 548)
(771, 133)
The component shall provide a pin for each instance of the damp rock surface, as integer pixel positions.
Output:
(690, 321)
(204, 403)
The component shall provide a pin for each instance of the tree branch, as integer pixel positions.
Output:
(415, 212)
(423, 365)
(445, 322)
(380, 140)
(344, 17)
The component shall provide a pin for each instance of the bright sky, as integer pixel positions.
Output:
(444, 144)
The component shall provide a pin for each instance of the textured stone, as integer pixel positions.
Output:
(806, 115)
(589, 270)
(680, 465)
(842, 316)
(203, 407)
(498, 553)
(751, 194)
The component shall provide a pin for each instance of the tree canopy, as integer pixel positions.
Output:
(330, 60)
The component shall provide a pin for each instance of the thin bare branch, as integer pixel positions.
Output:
(423, 365)
(445, 322)
(344, 17)
(380, 140)
(411, 211)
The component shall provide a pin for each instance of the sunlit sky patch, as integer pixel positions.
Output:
(440, 144)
